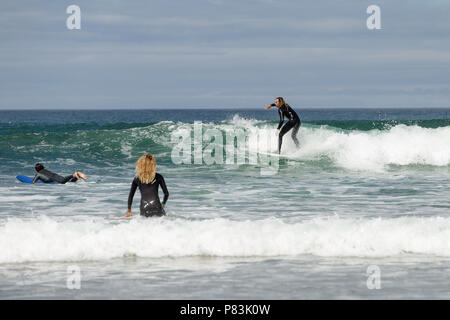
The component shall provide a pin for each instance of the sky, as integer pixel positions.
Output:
(224, 54)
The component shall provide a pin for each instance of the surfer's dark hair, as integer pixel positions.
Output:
(38, 167)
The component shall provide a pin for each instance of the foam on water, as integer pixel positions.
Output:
(355, 193)
(374, 150)
(27, 198)
(67, 239)
(371, 150)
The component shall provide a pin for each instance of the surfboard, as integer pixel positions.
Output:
(123, 218)
(275, 154)
(26, 179)
(269, 153)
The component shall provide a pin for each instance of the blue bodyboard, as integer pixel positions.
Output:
(26, 179)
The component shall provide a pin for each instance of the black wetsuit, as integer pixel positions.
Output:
(48, 176)
(293, 122)
(150, 204)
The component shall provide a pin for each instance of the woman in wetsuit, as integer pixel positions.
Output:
(148, 182)
(294, 123)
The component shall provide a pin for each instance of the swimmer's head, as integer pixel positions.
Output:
(146, 168)
(38, 167)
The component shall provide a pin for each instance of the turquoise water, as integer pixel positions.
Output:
(367, 187)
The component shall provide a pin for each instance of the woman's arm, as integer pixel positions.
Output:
(130, 196)
(281, 113)
(164, 189)
(36, 177)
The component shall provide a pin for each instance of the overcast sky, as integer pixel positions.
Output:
(224, 54)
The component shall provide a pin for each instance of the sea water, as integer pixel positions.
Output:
(368, 189)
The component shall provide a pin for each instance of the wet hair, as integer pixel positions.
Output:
(146, 168)
(38, 167)
(281, 100)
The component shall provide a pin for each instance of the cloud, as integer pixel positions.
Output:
(155, 53)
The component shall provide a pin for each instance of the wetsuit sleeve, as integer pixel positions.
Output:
(164, 188)
(132, 192)
(36, 177)
(281, 118)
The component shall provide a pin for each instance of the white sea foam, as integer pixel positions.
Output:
(358, 150)
(48, 239)
(372, 150)
(26, 198)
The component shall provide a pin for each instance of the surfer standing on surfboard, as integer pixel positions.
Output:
(148, 182)
(294, 123)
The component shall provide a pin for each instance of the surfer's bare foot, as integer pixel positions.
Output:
(128, 215)
(80, 175)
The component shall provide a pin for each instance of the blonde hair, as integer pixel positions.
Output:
(281, 101)
(146, 168)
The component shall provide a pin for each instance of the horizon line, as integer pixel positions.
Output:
(211, 108)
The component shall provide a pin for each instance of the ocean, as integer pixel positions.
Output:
(360, 211)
